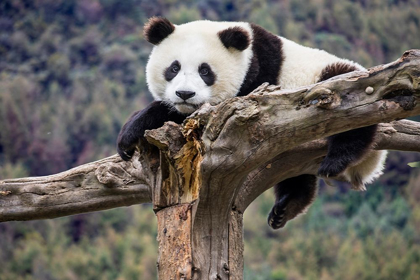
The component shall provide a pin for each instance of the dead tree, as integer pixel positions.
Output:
(202, 176)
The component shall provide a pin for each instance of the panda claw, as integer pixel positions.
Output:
(331, 168)
(126, 155)
(277, 216)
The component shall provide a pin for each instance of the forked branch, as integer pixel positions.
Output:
(241, 137)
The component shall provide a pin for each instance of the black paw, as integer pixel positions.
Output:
(277, 217)
(125, 154)
(331, 167)
(126, 145)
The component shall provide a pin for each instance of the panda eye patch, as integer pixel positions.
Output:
(172, 70)
(207, 74)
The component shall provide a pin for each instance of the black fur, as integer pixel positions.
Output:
(172, 70)
(208, 76)
(152, 117)
(266, 61)
(265, 67)
(293, 196)
(296, 194)
(347, 147)
(335, 69)
(157, 29)
(235, 37)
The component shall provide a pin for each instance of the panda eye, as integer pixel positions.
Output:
(207, 74)
(172, 70)
(175, 68)
(204, 71)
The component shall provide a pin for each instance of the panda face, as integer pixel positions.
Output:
(188, 84)
(193, 65)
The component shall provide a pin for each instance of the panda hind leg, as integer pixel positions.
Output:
(346, 149)
(293, 197)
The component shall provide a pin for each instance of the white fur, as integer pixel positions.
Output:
(192, 44)
(303, 65)
(369, 169)
(197, 42)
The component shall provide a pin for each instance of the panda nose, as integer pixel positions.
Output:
(185, 94)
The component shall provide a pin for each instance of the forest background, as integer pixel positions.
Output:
(72, 71)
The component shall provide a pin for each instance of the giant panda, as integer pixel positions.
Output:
(208, 62)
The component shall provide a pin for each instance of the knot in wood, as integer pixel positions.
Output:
(169, 137)
(226, 269)
(404, 97)
(113, 176)
(415, 78)
(322, 98)
(4, 193)
(408, 103)
(411, 53)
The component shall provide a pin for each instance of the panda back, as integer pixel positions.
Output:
(303, 65)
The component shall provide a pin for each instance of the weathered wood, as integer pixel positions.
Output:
(242, 134)
(180, 157)
(100, 185)
(206, 173)
(174, 238)
(400, 135)
(236, 246)
(72, 192)
(176, 191)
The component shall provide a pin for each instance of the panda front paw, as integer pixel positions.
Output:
(125, 154)
(331, 168)
(126, 144)
(277, 217)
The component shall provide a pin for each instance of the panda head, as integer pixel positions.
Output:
(197, 62)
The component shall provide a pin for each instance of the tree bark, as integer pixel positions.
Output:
(100, 185)
(111, 182)
(202, 176)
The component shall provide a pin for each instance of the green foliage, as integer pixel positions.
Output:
(10, 170)
(71, 73)
(183, 14)
(414, 164)
(376, 240)
(111, 245)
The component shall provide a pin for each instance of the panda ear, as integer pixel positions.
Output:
(157, 29)
(235, 37)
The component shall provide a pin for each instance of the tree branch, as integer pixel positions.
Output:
(207, 172)
(241, 134)
(241, 137)
(400, 135)
(100, 185)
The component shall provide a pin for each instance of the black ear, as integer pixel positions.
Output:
(157, 29)
(235, 37)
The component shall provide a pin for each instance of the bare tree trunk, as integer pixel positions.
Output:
(202, 176)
